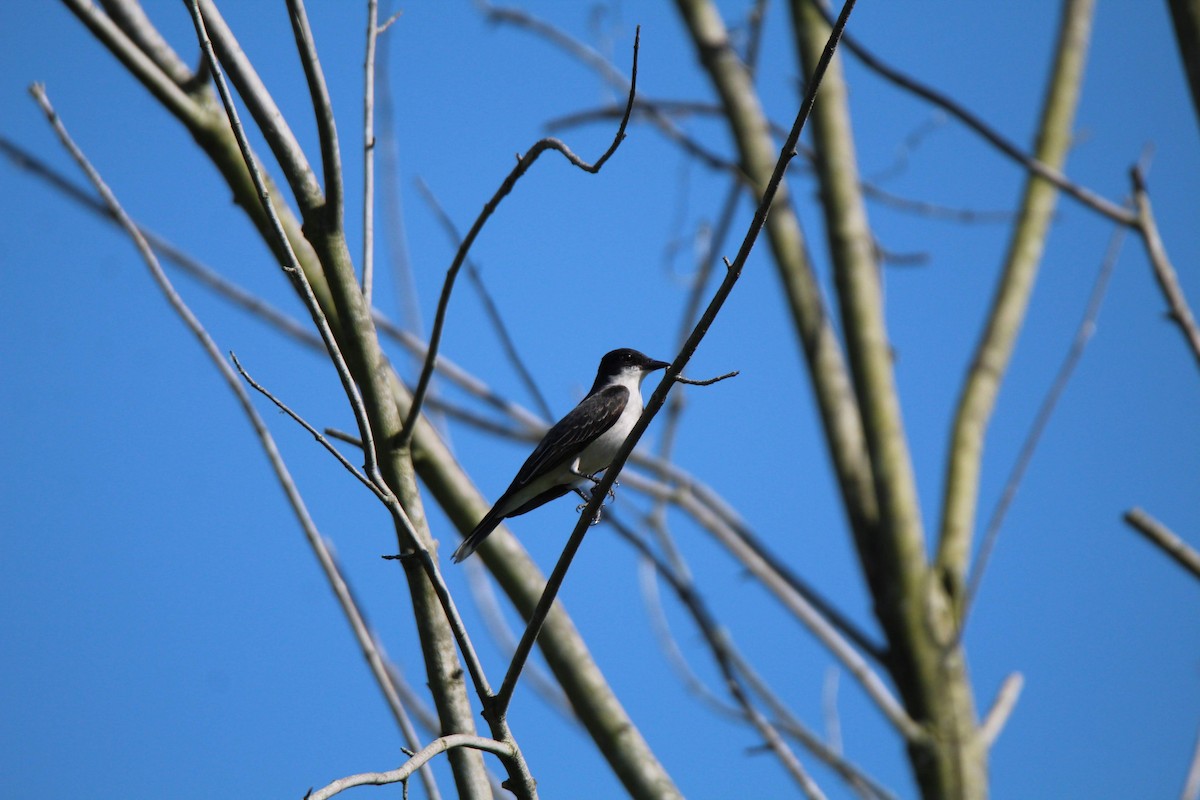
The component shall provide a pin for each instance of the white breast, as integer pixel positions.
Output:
(599, 454)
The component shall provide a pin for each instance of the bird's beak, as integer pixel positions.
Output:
(654, 366)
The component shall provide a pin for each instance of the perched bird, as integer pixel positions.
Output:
(578, 446)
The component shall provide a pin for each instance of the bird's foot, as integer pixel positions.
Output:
(599, 512)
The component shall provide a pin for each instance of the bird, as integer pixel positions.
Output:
(576, 447)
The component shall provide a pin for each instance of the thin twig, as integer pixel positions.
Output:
(1043, 170)
(1164, 273)
(605, 69)
(554, 583)
(489, 305)
(1002, 708)
(708, 381)
(1083, 335)
(368, 258)
(523, 164)
(303, 423)
(720, 646)
(1164, 539)
(729, 659)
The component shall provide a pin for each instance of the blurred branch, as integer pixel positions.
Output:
(1164, 273)
(1036, 164)
(732, 664)
(368, 220)
(506, 639)
(1007, 314)
(141, 65)
(751, 131)
(895, 561)
(1083, 335)
(720, 646)
(1164, 539)
(1191, 784)
(1006, 701)
(523, 164)
(489, 305)
(693, 147)
(132, 20)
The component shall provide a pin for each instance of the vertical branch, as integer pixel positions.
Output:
(368, 233)
(331, 154)
(898, 549)
(992, 354)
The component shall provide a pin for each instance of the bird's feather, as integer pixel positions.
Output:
(571, 435)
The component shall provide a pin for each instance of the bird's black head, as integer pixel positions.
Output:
(626, 360)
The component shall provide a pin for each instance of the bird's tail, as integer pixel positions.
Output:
(476, 537)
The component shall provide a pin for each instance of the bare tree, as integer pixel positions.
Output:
(920, 571)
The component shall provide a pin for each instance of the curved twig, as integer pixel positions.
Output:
(523, 164)
(422, 756)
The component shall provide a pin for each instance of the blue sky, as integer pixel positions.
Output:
(165, 632)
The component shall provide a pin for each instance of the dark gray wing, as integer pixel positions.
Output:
(595, 414)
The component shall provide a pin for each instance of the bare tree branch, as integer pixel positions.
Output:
(1035, 164)
(368, 221)
(734, 667)
(1164, 273)
(1083, 335)
(331, 154)
(999, 336)
(441, 661)
(420, 758)
(720, 646)
(1006, 701)
(523, 164)
(1164, 539)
